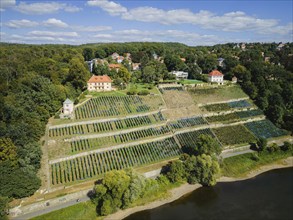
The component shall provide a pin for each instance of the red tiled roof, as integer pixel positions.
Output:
(215, 73)
(113, 65)
(99, 79)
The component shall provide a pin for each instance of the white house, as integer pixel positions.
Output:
(180, 74)
(68, 109)
(216, 76)
(99, 83)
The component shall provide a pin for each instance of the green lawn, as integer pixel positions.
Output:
(139, 87)
(190, 81)
(84, 210)
(239, 166)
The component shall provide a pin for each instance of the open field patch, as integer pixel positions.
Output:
(209, 95)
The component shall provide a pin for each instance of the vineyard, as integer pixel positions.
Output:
(223, 118)
(95, 164)
(235, 116)
(187, 122)
(190, 138)
(232, 135)
(88, 144)
(227, 106)
(111, 125)
(265, 129)
(108, 106)
(250, 113)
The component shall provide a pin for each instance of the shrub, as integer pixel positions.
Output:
(143, 92)
(132, 91)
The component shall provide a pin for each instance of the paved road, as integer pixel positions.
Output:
(50, 208)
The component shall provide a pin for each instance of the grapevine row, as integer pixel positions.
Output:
(107, 106)
(96, 164)
(87, 144)
(187, 122)
(265, 129)
(112, 125)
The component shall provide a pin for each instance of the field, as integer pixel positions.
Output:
(265, 129)
(96, 164)
(110, 106)
(233, 135)
(209, 95)
(106, 126)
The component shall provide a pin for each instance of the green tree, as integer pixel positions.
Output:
(124, 74)
(7, 150)
(262, 144)
(78, 74)
(88, 53)
(205, 145)
(4, 208)
(176, 171)
(100, 53)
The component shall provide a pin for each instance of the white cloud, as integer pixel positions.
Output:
(40, 8)
(6, 4)
(189, 38)
(53, 22)
(91, 28)
(52, 34)
(111, 7)
(21, 23)
(234, 21)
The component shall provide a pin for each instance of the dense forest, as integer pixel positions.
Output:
(36, 79)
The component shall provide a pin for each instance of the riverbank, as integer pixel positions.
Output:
(185, 189)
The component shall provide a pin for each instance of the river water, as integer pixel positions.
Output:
(266, 196)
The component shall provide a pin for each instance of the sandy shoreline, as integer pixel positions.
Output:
(184, 189)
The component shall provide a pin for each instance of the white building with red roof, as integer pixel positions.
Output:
(99, 83)
(216, 76)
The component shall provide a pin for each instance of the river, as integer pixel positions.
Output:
(268, 196)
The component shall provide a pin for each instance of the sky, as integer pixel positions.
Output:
(192, 22)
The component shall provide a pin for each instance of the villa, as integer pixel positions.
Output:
(216, 76)
(99, 83)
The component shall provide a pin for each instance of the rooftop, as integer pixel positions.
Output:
(97, 79)
(215, 73)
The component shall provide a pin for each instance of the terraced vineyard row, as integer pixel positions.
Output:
(235, 116)
(88, 144)
(190, 138)
(113, 125)
(265, 129)
(232, 135)
(108, 106)
(187, 122)
(174, 88)
(227, 106)
(95, 164)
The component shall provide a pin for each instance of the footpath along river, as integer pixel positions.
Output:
(268, 196)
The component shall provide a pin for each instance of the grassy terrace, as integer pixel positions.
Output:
(208, 95)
